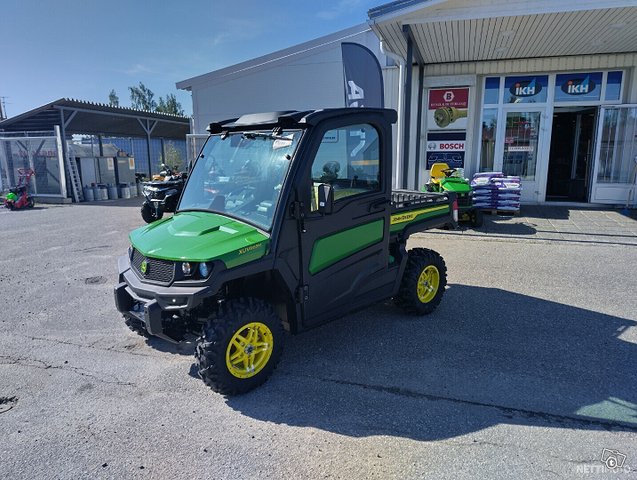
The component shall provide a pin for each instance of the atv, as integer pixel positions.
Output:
(19, 197)
(287, 221)
(162, 193)
(445, 179)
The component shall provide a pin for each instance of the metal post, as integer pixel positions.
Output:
(421, 87)
(150, 172)
(60, 147)
(62, 132)
(407, 115)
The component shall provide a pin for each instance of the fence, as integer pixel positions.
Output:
(40, 151)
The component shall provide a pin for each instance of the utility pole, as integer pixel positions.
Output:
(3, 109)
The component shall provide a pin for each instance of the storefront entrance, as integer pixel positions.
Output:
(571, 154)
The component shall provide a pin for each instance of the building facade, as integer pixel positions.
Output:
(543, 90)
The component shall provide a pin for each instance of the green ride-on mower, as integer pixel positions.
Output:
(445, 179)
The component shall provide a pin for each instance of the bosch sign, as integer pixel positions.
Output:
(446, 146)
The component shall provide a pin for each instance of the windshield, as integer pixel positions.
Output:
(241, 174)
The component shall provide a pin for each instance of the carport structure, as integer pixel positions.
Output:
(447, 43)
(72, 116)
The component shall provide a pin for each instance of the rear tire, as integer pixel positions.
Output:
(240, 346)
(148, 213)
(423, 283)
(31, 203)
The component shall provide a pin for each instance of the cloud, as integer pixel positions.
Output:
(137, 69)
(237, 29)
(343, 7)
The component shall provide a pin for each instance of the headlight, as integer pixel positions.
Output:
(186, 268)
(130, 252)
(204, 270)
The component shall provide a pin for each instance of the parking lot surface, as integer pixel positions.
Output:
(526, 370)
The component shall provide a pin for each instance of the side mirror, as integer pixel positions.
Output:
(325, 198)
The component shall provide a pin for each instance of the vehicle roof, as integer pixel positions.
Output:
(295, 119)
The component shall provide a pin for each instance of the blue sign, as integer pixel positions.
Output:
(528, 89)
(578, 87)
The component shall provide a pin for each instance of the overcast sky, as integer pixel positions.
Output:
(84, 48)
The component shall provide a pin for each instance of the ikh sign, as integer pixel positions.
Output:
(526, 88)
(579, 86)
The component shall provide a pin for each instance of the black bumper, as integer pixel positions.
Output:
(150, 303)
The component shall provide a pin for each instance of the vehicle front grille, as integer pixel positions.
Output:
(464, 200)
(156, 271)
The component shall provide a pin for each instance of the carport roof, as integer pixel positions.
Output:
(444, 31)
(80, 117)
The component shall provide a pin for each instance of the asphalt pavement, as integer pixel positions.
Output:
(526, 370)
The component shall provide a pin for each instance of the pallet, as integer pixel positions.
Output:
(502, 213)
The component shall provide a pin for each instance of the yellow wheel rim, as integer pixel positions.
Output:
(249, 350)
(428, 284)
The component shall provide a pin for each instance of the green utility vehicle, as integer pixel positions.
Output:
(287, 221)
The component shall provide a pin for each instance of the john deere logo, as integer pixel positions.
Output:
(144, 267)
(578, 86)
(525, 89)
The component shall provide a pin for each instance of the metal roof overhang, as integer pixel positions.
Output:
(448, 31)
(78, 117)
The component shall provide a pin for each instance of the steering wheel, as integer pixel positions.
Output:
(449, 171)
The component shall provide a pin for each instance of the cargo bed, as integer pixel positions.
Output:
(413, 211)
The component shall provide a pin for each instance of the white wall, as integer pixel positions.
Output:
(310, 79)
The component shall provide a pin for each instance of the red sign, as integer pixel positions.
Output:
(449, 97)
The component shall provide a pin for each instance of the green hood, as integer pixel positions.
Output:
(455, 184)
(200, 237)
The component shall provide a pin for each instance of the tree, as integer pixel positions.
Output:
(141, 98)
(170, 105)
(172, 157)
(113, 99)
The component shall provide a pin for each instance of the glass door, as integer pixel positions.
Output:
(615, 174)
(520, 143)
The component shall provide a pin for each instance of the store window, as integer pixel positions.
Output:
(578, 87)
(489, 130)
(613, 86)
(492, 90)
(528, 89)
(349, 160)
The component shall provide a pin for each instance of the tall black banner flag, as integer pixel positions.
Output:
(363, 77)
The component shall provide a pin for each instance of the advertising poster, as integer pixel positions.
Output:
(446, 147)
(448, 109)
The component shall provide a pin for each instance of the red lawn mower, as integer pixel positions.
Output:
(19, 197)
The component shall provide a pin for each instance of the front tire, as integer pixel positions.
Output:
(423, 283)
(240, 346)
(136, 326)
(477, 218)
(148, 213)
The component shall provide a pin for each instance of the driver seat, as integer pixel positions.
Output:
(438, 172)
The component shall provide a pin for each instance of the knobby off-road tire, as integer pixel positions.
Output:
(148, 213)
(423, 283)
(240, 346)
(477, 218)
(136, 326)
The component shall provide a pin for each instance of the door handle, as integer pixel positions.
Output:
(378, 204)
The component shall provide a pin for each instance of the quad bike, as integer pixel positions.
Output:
(19, 197)
(445, 179)
(162, 193)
